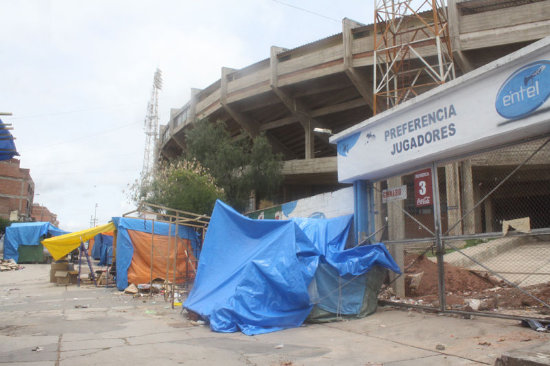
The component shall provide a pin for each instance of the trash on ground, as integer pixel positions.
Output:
(536, 325)
(9, 265)
(132, 289)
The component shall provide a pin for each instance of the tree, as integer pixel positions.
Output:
(238, 167)
(4, 223)
(180, 185)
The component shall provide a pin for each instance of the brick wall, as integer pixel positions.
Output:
(42, 213)
(16, 190)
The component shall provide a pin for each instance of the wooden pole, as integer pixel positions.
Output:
(152, 258)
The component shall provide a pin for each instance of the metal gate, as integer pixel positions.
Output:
(473, 235)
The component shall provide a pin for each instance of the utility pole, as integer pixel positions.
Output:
(95, 216)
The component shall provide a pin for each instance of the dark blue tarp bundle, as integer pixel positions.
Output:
(7, 146)
(103, 249)
(26, 233)
(125, 247)
(106, 257)
(253, 275)
(96, 249)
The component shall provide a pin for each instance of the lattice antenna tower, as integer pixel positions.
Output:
(151, 127)
(412, 50)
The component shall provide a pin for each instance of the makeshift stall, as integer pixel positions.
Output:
(62, 245)
(160, 244)
(22, 241)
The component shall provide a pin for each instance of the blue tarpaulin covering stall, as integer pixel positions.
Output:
(253, 275)
(26, 233)
(128, 242)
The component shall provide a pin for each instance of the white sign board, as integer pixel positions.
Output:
(394, 194)
(502, 102)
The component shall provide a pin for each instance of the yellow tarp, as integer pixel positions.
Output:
(62, 245)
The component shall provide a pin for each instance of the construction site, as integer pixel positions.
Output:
(412, 226)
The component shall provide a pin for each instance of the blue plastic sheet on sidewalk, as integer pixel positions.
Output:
(253, 275)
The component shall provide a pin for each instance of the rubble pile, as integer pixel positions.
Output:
(9, 265)
(465, 289)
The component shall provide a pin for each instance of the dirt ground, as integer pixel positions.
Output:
(463, 286)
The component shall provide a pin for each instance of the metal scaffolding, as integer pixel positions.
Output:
(412, 49)
(179, 282)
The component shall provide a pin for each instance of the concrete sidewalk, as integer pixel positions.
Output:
(45, 324)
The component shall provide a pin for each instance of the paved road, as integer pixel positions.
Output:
(98, 326)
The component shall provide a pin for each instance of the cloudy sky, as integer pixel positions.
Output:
(77, 76)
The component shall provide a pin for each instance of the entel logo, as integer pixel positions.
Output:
(524, 91)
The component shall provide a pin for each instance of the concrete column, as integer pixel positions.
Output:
(362, 83)
(193, 104)
(454, 34)
(453, 198)
(396, 231)
(223, 84)
(309, 141)
(467, 180)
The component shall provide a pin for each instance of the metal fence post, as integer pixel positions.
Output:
(439, 244)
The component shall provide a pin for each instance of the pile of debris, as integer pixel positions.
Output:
(465, 289)
(9, 265)
(144, 288)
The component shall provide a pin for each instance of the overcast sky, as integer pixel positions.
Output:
(77, 76)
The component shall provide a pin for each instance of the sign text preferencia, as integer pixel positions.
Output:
(423, 130)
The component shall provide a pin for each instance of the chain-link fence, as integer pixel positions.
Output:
(472, 235)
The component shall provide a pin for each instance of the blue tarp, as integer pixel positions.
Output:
(125, 247)
(7, 146)
(26, 233)
(103, 249)
(106, 257)
(253, 275)
(96, 249)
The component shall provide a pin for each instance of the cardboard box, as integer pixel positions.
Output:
(62, 277)
(57, 266)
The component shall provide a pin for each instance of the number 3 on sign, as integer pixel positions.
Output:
(422, 187)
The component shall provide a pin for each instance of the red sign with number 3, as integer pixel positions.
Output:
(423, 188)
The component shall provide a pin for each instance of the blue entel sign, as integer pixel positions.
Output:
(524, 91)
(503, 102)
